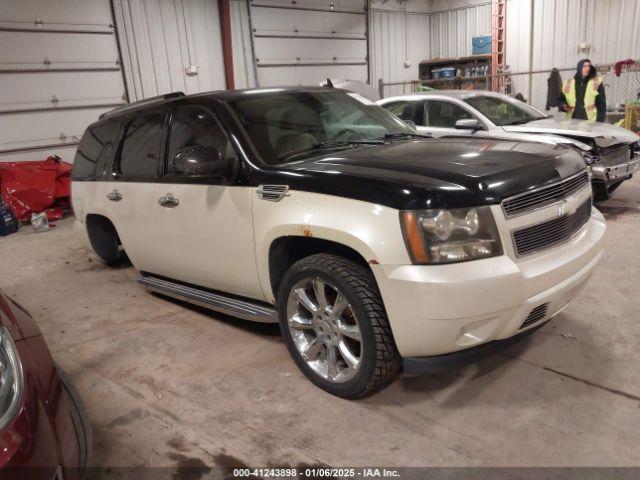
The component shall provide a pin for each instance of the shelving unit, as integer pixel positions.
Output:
(461, 64)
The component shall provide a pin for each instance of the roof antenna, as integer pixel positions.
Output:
(329, 83)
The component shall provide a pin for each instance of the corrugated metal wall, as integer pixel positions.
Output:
(611, 27)
(393, 38)
(160, 38)
(451, 31)
(396, 36)
(559, 27)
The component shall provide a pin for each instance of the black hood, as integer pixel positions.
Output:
(592, 69)
(431, 173)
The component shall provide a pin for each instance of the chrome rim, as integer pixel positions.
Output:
(324, 329)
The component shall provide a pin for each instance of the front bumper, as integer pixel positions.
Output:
(436, 310)
(440, 363)
(617, 172)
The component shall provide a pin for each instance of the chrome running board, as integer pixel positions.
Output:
(245, 309)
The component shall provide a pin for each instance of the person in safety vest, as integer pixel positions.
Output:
(583, 95)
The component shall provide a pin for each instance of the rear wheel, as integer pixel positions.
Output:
(335, 326)
(104, 240)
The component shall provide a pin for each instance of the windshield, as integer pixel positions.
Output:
(284, 123)
(505, 111)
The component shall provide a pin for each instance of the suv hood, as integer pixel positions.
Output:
(603, 134)
(433, 173)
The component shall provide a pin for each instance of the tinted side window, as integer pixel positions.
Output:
(142, 148)
(193, 126)
(97, 147)
(444, 114)
(408, 110)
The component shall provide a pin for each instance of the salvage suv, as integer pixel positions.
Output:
(375, 248)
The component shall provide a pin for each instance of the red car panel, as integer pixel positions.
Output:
(49, 430)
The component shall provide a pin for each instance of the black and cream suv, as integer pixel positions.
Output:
(375, 248)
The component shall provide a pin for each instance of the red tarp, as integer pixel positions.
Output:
(34, 187)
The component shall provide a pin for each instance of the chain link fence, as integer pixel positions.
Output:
(533, 86)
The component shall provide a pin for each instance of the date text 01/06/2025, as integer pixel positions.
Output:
(315, 472)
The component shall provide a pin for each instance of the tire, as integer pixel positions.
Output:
(80, 420)
(104, 240)
(603, 192)
(342, 282)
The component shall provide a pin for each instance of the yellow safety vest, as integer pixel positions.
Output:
(590, 94)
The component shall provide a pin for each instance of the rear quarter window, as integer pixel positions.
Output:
(96, 150)
(142, 148)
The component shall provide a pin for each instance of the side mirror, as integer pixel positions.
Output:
(411, 123)
(469, 124)
(202, 161)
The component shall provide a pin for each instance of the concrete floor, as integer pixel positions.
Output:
(166, 384)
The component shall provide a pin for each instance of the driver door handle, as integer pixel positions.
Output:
(168, 201)
(114, 196)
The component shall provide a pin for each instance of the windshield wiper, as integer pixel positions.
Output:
(328, 144)
(397, 135)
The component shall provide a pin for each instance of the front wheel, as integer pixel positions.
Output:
(335, 326)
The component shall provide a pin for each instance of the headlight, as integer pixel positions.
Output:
(449, 236)
(11, 381)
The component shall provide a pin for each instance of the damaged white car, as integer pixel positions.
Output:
(612, 153)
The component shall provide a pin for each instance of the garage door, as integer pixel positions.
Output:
(306, 41)
(59, 70)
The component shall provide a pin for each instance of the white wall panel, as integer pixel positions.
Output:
(243, 67)
(413, 31)
(59, 69)
(338, 5)
(307, 50)
(36, 90)
(51, 127)
(611, 27)
(451, 31)
(331, 42)
(559, 26)
(26, 49)
(161, 37)
(291, 76)
(57, 14)
(394, 38)
(270, 21)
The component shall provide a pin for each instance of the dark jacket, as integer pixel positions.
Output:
(554, 89)
(581, 85)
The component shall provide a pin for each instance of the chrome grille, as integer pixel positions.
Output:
(544, 196)
(539, 237)
(535, 315)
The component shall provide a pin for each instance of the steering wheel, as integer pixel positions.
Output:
(342, 133)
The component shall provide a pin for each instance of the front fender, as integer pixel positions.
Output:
(371, 230)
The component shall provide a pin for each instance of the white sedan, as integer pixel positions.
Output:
(612, 153)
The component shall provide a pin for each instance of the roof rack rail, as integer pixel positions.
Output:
(139, 103)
